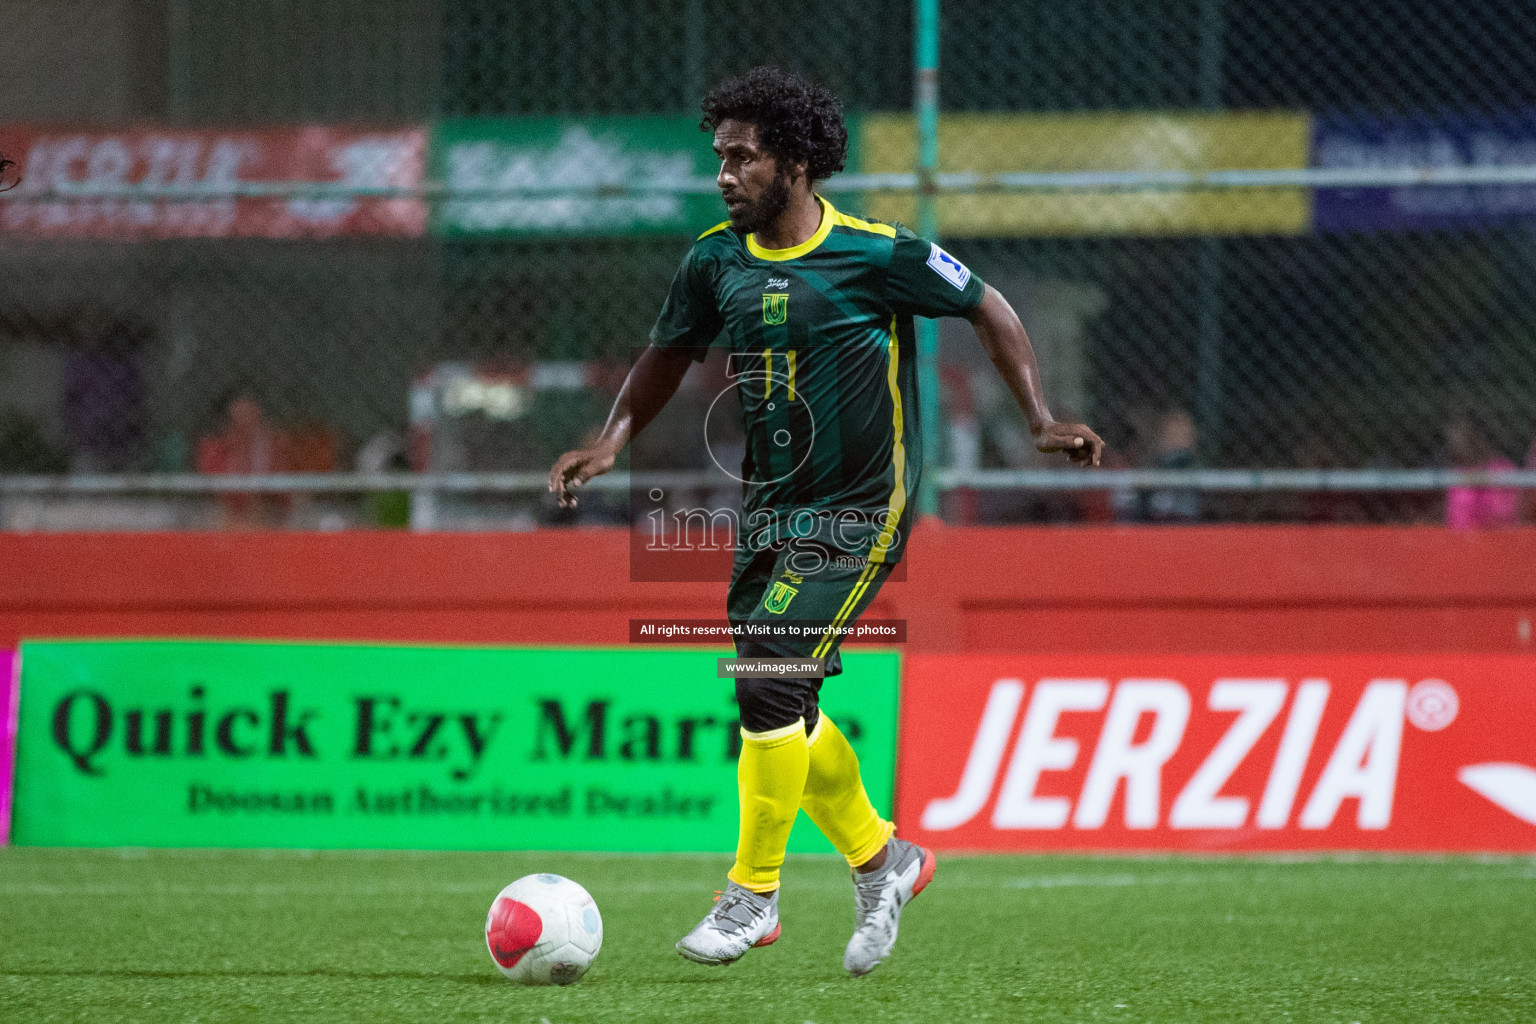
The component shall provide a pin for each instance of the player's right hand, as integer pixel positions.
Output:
(573, 469)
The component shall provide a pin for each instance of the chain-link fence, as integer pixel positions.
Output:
(412, 235)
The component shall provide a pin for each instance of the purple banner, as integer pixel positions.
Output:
(1441, 141)
(10, 678)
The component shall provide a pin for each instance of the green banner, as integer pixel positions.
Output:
(309, 745)
(583, 177)
(483, 162)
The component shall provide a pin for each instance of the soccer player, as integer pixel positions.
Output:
(818, 308)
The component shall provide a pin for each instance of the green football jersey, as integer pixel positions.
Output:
(824, 362)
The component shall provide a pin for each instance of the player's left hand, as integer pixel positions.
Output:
(1082, 445)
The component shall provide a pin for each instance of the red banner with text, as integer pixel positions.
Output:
(302, 182)
(1218, 753)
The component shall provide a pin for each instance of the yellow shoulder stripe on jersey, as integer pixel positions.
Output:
(844, 221)
(718, 227)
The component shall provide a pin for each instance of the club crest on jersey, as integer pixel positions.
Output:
(775, 307)
(949, 268)
(779, 596)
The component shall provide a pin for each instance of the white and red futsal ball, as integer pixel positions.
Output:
(543, 930)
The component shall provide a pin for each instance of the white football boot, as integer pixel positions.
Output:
(880, 895)
(740, 920)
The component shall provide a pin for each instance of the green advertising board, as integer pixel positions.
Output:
(583, 177)
(502, 176)
(337, 746)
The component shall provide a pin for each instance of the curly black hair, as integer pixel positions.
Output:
(796, 119)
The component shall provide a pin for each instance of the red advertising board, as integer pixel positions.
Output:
(213, 183)
(1218, 753)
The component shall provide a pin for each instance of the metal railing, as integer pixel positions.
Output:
(946, 182)
(500, 482)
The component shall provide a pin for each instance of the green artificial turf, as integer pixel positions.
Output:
(150, 936)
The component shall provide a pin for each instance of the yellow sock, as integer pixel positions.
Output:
(835, 798)
(770, 777)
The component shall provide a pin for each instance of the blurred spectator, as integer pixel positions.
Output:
(103, 401)
(1475, 508)
(246, 444)
(385, 452)
(1168, 444)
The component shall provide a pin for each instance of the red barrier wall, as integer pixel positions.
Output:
(1217, 589)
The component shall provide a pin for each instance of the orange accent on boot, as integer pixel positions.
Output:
(926, 874)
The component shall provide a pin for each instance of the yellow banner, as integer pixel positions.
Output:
(998, 143)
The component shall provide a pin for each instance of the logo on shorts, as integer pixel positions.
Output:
(775, 307)
(949, 268)
(793, 576)
(779, 596)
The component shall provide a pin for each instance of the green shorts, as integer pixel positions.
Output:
(815, 590)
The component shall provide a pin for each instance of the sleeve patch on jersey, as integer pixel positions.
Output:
(949, 268)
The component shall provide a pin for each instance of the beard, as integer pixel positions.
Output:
(765, 209)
